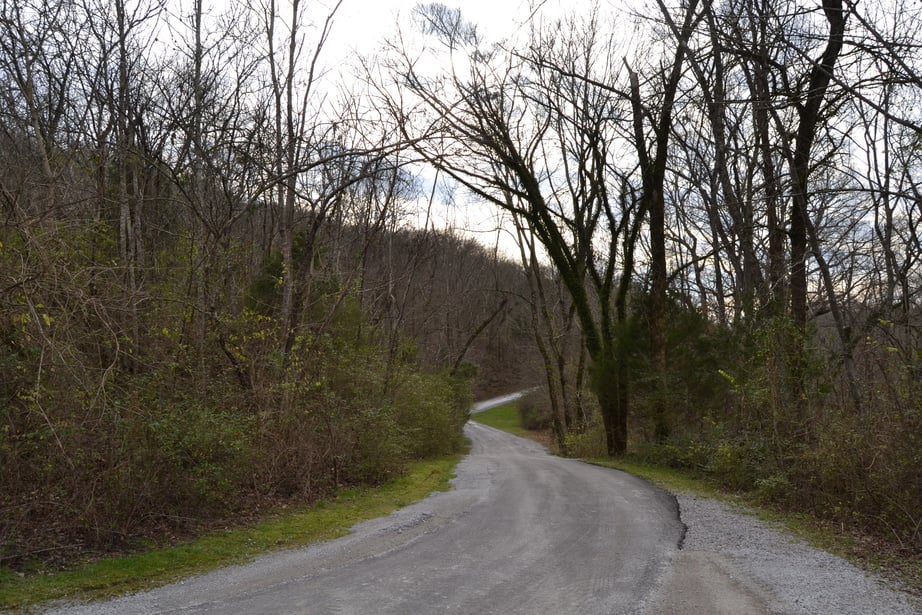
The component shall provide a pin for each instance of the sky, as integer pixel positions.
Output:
(360, 29)
(362, 23)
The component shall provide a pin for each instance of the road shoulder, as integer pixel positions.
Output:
(786, 574)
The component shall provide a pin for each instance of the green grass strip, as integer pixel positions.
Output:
(666, 478)
(326, 520)
(505, 418)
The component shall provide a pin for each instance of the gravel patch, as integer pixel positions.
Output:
(796, 578)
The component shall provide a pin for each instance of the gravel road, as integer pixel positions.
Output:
(521, 532)
(526, 532)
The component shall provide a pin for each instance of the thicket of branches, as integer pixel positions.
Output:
(729, 203)
(211, 295)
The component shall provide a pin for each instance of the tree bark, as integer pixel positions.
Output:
(809, 113)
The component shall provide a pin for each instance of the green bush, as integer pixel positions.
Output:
(776, 488)
(378, 447)
(207, 452)
(864, 470)
(691, 455)
(535, 411)
(431, 410)
(734, 465)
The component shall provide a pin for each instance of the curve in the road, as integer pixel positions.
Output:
(521, 532)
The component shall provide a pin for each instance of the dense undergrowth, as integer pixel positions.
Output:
(127, 427)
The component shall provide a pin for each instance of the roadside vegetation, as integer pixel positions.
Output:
(111, 447)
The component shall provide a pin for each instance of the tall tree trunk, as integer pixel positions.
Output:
(544, 335)
(809, 112)
(653, 171)
(758, 79)
(608, 374)
(128, 249)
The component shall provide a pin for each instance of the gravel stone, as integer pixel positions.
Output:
(795, 577)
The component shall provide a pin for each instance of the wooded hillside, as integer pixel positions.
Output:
(213, 297)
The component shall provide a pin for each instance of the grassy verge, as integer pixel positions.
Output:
(667, 478)
(326, 520)
(505, 417)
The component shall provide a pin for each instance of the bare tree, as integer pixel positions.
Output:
(530, 138)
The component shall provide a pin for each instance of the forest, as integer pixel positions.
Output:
(225, 282)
